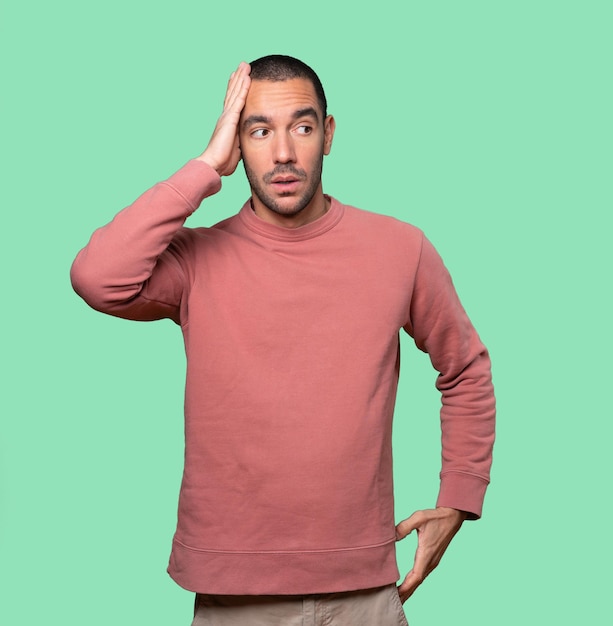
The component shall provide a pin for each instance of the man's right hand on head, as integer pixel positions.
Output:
(223, 152)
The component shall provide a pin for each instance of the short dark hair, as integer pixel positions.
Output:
(279, 67)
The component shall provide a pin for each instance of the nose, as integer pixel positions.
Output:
(283, 148)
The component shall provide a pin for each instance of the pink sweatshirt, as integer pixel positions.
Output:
(291, 338)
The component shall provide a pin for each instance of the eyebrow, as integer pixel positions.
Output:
(255, 119)
(306, 112)
(263, 119)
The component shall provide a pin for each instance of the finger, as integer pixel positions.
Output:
(422, 566)
(237, 101)
(238, 86)
(234, 77)
(409, 585)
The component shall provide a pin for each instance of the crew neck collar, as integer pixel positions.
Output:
(313, 229)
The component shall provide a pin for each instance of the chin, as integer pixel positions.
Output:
(289, 211)
(285, 206)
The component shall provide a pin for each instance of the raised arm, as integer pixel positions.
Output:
(132, 267)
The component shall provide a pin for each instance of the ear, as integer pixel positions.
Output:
(329, 128)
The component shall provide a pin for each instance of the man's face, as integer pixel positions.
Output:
(283, 138)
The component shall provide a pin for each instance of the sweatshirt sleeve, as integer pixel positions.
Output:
(132, 267)
(440, 327)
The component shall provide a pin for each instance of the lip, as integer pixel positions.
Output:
(284, 179)
(285, 184)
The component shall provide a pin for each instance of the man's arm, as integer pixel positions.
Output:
(132, 266)
(440, 327)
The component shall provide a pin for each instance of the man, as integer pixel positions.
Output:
(290, 312)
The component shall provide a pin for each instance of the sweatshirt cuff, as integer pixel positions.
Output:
(195, 181)
(464, 492)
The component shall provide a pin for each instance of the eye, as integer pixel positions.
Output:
(303, 129)
(259, 133)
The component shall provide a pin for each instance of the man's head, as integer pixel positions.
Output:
(284, 133)
(278, 67)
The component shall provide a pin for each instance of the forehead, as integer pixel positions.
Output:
(278, 98)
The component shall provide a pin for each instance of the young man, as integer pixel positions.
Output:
(290, 312)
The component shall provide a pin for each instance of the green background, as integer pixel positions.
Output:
(487, 124)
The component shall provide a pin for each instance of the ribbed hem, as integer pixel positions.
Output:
(283, 573)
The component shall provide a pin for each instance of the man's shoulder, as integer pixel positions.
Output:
(204, 239)
(226, 225)
(380, 222)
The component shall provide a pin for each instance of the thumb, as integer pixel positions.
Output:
(407, 526)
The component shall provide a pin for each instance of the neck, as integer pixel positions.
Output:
(317, 207)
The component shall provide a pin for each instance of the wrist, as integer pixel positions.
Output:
(206, 158)
(457, 513)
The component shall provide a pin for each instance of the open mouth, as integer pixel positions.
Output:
(284, 179)
(285, 183)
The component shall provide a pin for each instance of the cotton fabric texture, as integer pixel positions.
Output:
(292, 345)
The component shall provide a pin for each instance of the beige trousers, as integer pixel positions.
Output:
(369, 607)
